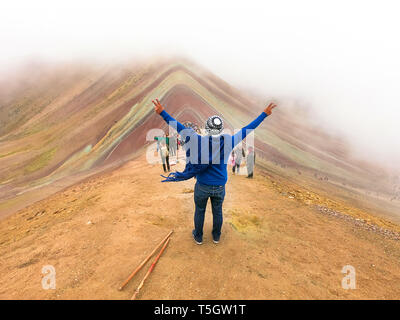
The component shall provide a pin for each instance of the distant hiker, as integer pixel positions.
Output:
(173, 145)
(181, 141)
(164, 156)
(239, 154)
(250, 162)
(158, 143)
(164, 138)
(206, 159)
(178, 142)
(167, 140)
(232, 160)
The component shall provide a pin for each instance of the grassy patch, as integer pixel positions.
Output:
(243, 221)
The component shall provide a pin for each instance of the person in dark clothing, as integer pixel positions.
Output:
(207, 158)
(167, 141)
(238, 156)
(250, 162)
(173, 145)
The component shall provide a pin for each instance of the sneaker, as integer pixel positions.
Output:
(196, 239)
(215, 240)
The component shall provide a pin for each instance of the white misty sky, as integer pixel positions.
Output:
(341, 57)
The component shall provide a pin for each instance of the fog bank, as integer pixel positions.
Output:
(339, 58)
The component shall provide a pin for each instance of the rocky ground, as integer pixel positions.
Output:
(276, 244)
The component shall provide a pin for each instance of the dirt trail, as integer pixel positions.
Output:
(96, 232)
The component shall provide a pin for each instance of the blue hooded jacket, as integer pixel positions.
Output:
(207, 156)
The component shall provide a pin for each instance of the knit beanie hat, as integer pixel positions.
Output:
(214, 125)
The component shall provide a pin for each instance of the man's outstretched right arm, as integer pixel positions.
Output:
(240, 135)
(167, 118)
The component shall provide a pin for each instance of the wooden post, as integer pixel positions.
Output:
(150, 270)
(145, 261)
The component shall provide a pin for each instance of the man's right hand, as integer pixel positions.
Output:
(157, 106)
(268, 110)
